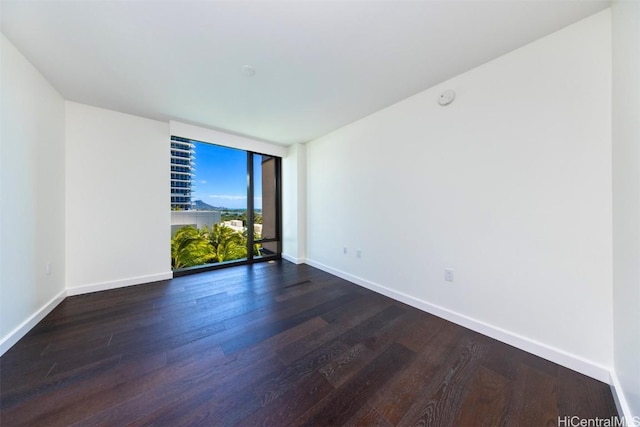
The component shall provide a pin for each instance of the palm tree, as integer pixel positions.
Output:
(227, 243)
(257, 247)
(189, 248)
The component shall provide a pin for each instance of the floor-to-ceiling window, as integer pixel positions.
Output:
(225, 206)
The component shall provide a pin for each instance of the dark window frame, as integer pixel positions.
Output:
(251, 258)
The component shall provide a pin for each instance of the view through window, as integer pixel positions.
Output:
(218, 194)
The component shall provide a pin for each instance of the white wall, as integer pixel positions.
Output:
(510, 186)
(626, 202)
(117, 199)
(31, 196)
(294, 204)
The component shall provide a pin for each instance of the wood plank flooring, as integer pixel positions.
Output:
(279, 345)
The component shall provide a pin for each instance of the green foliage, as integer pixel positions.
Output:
(233, 215)
(227, 244)
(218, 243)
(241, 215)
(189, 248)
(257, 247)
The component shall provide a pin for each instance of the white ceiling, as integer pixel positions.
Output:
(320, 64)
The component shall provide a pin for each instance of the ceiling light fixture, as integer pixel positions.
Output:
(248, 70)
(447, 97)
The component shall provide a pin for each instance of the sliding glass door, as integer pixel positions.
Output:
(225, 206)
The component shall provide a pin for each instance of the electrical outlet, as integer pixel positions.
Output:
(344, 250)
(448, 274)
(47, 268)
(359, 253)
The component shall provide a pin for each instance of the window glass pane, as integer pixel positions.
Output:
(266, 204)
(265, 195)
(209, 204)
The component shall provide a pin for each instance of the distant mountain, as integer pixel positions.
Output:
(199, 205)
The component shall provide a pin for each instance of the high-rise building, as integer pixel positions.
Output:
(183, 167)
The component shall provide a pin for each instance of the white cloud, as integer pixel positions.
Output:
(202, 181)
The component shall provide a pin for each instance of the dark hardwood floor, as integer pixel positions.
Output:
(275, 344)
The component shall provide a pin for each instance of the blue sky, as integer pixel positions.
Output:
(221, 177)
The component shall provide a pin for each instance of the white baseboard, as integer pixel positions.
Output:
(561, 357)
(14, 336)
(103, 286)
(624, 410)
(293, 259)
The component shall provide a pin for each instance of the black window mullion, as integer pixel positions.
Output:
(250, 214)
(278, 179)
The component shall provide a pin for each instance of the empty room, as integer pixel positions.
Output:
(320, 212)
